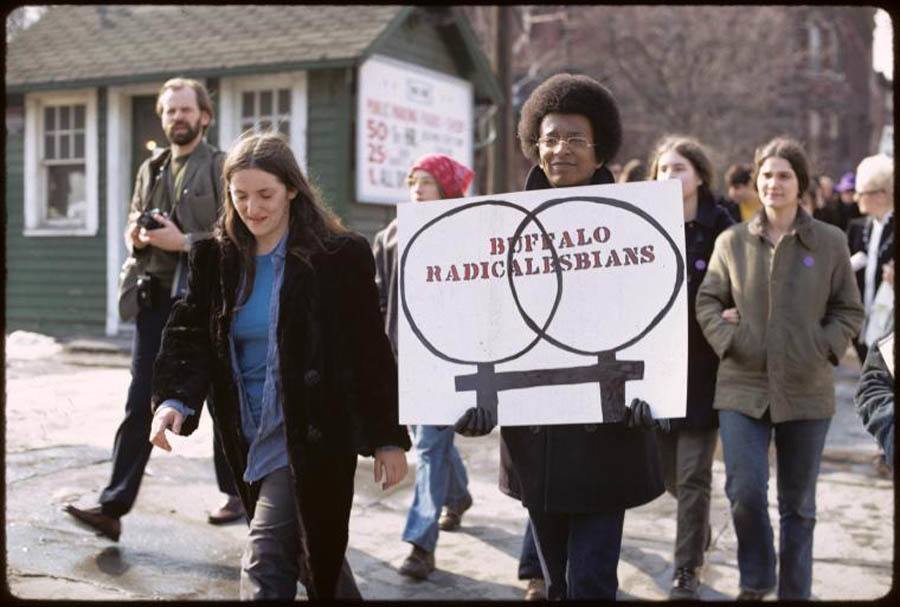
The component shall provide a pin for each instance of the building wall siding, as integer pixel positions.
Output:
(421, 43)
(54, 285)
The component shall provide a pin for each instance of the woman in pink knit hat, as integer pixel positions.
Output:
(441, 480)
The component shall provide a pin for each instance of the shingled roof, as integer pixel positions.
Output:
(72, 44)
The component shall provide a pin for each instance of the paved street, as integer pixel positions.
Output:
(62, 410)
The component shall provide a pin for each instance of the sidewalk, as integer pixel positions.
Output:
(62, 415)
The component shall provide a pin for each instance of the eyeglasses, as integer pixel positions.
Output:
(858, 195)
(575, 143)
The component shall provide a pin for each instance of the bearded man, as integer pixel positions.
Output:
(176, 202)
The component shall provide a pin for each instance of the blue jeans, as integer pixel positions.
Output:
(579, 553)
(529, 561)
(440, 480)
(798, 449)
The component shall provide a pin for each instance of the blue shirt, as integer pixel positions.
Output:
(250, 331)
(254, 359)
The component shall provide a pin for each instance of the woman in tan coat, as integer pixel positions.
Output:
(779, 306)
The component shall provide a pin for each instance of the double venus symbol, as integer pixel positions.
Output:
(609, 373)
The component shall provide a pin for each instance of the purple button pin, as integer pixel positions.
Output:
(808, 261)
(700, 264)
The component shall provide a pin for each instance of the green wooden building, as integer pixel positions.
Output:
(80, 118)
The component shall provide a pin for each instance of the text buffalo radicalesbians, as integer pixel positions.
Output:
(541, 261)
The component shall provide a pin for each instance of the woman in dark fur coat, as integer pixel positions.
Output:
(281, 326)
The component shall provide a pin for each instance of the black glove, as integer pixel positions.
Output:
(476, 421)
(639, 416)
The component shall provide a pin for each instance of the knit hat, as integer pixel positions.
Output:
(452, 177)
(847, 183)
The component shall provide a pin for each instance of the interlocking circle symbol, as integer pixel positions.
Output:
(656, 314)
(462, 333)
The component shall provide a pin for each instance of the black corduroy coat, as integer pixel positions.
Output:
(699, 237)
(338, 382)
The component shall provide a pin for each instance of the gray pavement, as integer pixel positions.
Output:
(62, 409)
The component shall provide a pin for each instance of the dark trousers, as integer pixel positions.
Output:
(529, 561)
(579, 553)
(131, 448)
(687, 457)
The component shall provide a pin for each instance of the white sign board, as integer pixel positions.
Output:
(561, 304)
(404, 112)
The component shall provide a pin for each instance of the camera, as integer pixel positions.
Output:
(146, 220)
(146, 290)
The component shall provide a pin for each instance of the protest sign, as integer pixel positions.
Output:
(560, 305)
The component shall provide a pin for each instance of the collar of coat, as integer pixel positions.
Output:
(537, 179)
(803, 227)
(706, 210)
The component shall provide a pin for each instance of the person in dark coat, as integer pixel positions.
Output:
(687, 450)
(848, 208)
(281, 324)
(871, 240)
(874, 397)
(828, 202)
(576, 480)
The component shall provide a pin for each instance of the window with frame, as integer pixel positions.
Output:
(267, 102)
(61, 164)
(815, 126)
(266, 109)
(834, 126)
(814, 46)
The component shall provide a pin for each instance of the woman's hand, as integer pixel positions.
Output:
(731, 315)
(393, 463)
(167, 418)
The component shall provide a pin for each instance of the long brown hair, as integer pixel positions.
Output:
(691, 149)
(312, 226)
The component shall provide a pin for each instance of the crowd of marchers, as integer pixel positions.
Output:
(250, 295)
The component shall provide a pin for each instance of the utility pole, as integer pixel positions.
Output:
(500, 154)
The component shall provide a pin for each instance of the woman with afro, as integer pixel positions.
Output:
(576, 480)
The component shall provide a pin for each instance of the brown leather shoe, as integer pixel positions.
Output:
(105, 525)
(451, 519)
(418, 564)
(536, 590)
(230, 511)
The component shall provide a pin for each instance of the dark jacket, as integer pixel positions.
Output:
(338, 382)
(195, 215)
(859, 233)
(731, 207)
(384, 248)
(579, 468)
(700, 235)
(874, 400)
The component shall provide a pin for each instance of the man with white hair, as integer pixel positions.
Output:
(872, 246)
